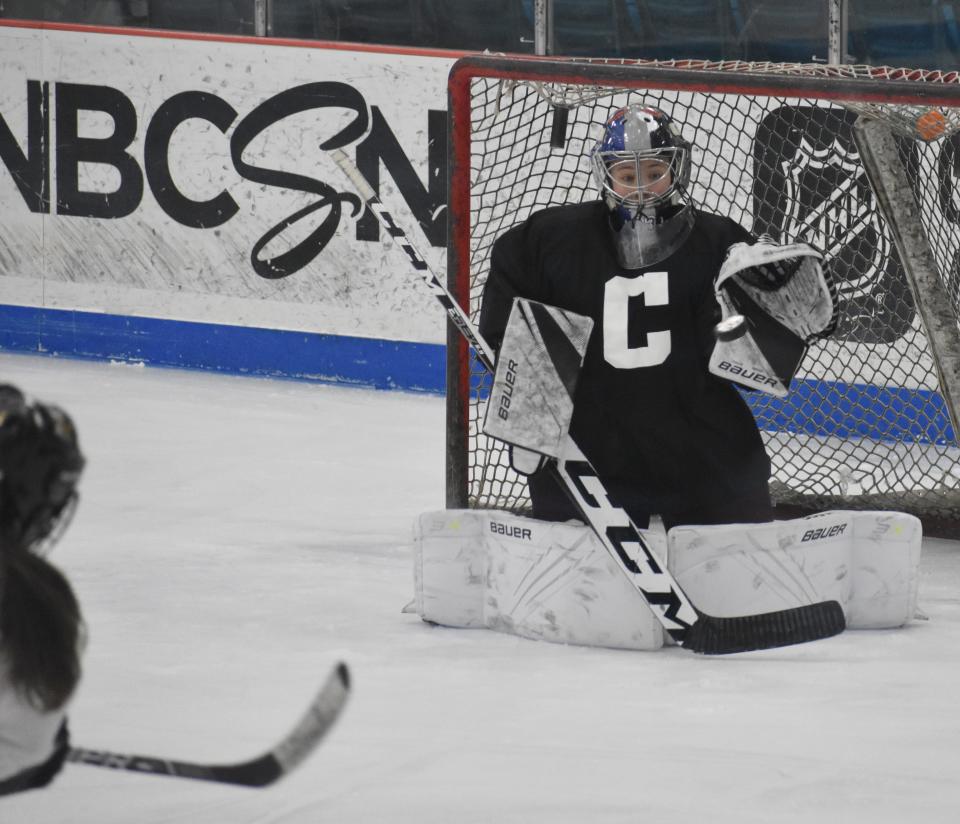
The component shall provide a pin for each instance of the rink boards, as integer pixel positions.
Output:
(166, 202)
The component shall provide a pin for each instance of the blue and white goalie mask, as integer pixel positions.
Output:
(642, 167)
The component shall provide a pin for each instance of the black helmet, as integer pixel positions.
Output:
(40, 465)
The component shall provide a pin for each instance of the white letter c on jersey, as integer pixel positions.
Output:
(616, 316)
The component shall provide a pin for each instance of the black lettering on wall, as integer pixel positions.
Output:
(72, 150)
(289, 102)
(198, 214)
(428, 205)
(29, 160)
(31, 170)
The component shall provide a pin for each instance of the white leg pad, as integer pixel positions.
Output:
(867, 561)
(449, 560)
(536, 579)
(886, 556)
(556, 582)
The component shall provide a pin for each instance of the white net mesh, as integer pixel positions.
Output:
(916, 121)
(864, 424)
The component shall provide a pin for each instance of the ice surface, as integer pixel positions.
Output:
(238, 536)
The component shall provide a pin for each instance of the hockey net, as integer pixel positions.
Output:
(865, 424)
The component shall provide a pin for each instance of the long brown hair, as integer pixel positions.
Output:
(40, 629)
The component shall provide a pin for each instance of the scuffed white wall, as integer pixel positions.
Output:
(146, 263)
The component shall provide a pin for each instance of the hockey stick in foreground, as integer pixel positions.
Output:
(258, 772)
(687, 626)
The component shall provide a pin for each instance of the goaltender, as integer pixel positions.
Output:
(625, 323)
(666, 434)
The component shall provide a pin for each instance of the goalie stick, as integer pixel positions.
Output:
(257, 772)
(685, 624)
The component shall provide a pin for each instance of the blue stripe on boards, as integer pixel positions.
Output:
(827, 409)
(840, 410)
(813, 407)
(381, 364)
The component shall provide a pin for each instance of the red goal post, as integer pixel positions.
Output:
(860, 161)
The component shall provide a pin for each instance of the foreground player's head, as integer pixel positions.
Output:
(41, 628)
(642, 166)
(40, 465)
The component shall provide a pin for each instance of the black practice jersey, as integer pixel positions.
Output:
(647, 412)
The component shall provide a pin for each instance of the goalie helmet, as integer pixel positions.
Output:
(40, 465)
(641, 165)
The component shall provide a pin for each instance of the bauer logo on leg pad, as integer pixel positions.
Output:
(510, 531)
(823, 532)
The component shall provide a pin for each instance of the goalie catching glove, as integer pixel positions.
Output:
(786, 300)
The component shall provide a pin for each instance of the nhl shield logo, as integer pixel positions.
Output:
(809, 185)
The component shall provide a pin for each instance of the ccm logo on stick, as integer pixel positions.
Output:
(823, 532)
(503, 411)
(747, 374)
(510, 531)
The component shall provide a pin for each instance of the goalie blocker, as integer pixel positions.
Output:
(785, 301)
(531, 401)
(554, 581)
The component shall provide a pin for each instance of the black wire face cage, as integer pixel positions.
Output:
(612, 166)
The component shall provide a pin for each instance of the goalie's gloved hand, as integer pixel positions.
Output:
(771, 276)
(787, 283)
